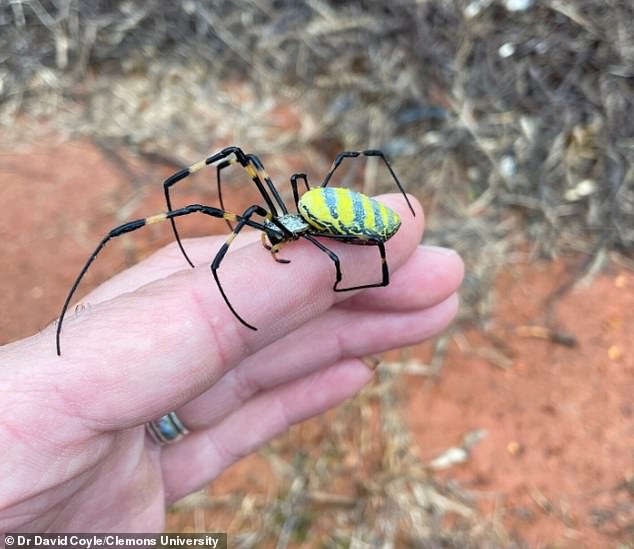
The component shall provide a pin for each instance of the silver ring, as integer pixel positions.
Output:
(167, 429)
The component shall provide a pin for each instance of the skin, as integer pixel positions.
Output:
(158, 337)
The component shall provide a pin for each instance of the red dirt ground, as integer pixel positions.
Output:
(557, 464)
(556, 467)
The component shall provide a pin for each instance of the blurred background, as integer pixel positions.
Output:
(512, 121)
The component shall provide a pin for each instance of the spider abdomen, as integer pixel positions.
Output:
(344, 212)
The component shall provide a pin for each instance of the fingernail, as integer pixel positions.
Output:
(439, 250)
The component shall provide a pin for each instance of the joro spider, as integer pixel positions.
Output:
(330, 212)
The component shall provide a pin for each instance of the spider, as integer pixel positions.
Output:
(330, 212)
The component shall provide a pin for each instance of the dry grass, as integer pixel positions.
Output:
(360, 485)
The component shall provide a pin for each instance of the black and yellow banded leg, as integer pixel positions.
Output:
(243, 220)
(370, 152)
(294, 186)
(260, 172)
(257, 173)
(274, 249)
(185, 172)
(219, 167)
(133, 226)
(385, 280)
(227, 157)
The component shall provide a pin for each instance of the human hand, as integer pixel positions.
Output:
(158, 338)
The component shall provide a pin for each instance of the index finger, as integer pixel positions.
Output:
(167, 342)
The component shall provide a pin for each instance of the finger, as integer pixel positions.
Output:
(152, 350)
(201, 456)
(343, 334)
(422, 281)
(428, 277)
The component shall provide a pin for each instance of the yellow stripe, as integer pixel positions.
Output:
(385, 216)
(197, 166)
(263, 174)
(309, 218)
(230, 239)
(318, 206)
(155, 218)
(229, 216)
(250, 170)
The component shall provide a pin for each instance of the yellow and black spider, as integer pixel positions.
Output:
(323, 211)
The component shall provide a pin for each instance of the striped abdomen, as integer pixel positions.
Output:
(345, 212)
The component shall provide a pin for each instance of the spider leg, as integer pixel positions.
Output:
(294, 184)
(332, 255)
(133, 226)
(243, 220)
(256, 170)
(385, 280)
(273, 249)
(261, 172)
(371, 152)
(224, 164)
(227, 157)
